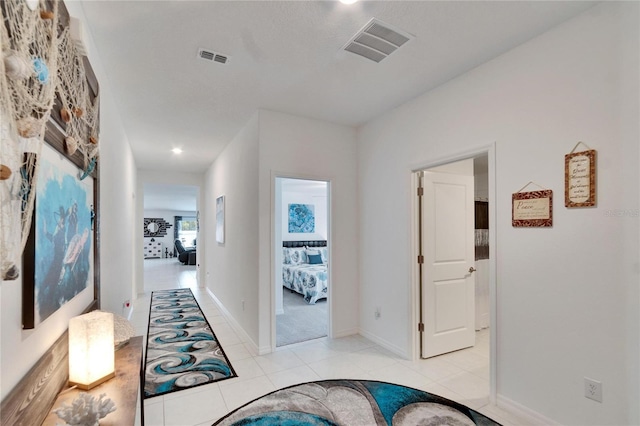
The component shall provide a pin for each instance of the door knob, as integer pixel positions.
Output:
(472, 269)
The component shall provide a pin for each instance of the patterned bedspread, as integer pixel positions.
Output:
(308, 280)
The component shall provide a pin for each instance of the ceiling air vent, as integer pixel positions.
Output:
(377, 40)
(209, 55)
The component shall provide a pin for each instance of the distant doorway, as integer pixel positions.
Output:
(301, 260)
(175, 208)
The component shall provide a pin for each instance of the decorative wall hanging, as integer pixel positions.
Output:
(155, 227)
(58, 261)
(78, 112)
(28, 69)
(580, 178)
(220, 219)
(42, 76)
(532, 209)
(302, 218)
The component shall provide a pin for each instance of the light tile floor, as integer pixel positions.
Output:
(462, 376)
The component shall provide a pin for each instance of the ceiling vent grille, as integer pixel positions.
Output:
(209, 55)
(377, 40)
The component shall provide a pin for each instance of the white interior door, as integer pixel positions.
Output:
(448, 293)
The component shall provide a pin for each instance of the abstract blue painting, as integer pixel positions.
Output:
(302, 218)
(63, 236)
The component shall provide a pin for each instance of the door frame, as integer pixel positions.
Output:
(274, 248)
(490, 151)
(152, 179)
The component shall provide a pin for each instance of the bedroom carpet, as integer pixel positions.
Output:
(182, 350)
(300, 321)
(353, 403)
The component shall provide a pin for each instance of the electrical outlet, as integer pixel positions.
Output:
(593, 389)
(377, 313)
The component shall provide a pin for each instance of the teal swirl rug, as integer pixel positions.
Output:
(182, 350)
(353, 403)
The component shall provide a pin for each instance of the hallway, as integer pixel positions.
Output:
(462, 376)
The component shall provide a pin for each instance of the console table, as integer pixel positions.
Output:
(153, 249)
(124, 389)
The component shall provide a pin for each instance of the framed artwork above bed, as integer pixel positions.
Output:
(302, 218)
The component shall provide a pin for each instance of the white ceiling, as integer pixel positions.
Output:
(170, 197)
(310, 187)
(285, 56)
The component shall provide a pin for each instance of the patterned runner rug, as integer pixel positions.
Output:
(182, 350)
(353, 402)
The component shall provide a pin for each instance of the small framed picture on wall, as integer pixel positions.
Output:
(580, 179)
(532, 209)
(220, 219)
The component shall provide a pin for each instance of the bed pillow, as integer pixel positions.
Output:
(314, 259)
(286, 256)
(322, 251)
(297, 256)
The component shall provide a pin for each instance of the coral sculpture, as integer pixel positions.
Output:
(86, 410)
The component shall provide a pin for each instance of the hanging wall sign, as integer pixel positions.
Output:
(580, 178)
(532, 209)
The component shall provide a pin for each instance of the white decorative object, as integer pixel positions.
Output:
(123, 331)
(86, 410)
(78, 35)
(16, 66)
(91, 353)
(153, 249)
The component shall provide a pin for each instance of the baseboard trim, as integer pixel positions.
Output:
(253, 348)
(387, 345)
(525, 413)
(345, 333)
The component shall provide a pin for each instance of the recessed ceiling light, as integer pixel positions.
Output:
(176, 151)
(348, 1)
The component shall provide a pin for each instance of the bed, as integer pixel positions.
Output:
(304, 268)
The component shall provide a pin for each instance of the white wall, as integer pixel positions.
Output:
(232, 267)
(21, 349)
(292, 146)
(567, 295)
(481, 186)
(284, 145)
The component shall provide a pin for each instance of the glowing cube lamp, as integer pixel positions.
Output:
(91, 351)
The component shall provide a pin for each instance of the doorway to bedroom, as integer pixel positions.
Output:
(301, 260)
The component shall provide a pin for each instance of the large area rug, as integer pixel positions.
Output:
(300, 321)
(182, 350)
(353, 403)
